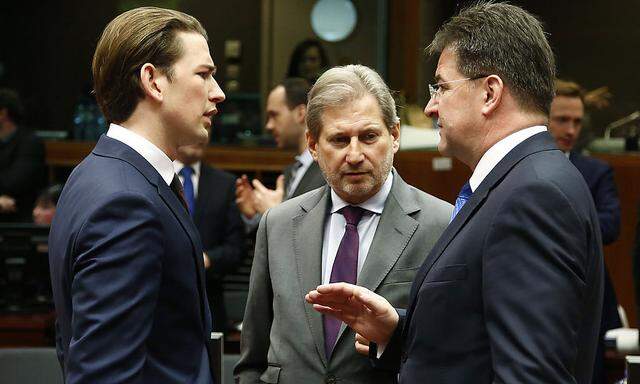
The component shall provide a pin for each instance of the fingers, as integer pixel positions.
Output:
(259, 187)
(362, 345)
(280, 184)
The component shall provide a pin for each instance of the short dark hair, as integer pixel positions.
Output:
(10, 100)
(139, 36)
(296, 90)
(50, 195)
(505, 40)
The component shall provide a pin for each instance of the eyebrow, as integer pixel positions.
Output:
(210, 67)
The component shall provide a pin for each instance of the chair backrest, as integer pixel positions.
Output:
(29, 366)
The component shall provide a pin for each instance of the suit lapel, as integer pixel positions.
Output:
(536, 143)
(308, 229)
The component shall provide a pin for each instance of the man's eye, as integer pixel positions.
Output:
(371, 136)
(339, 140)
(204, 75)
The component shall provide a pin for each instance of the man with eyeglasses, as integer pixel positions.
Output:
(512, 291)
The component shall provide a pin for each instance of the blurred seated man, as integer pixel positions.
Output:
(210, 196)
(565, 123)
(45, 209)
(21, 161)
(286, 113)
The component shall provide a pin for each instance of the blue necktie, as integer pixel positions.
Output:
(463, 196)
(189, 195)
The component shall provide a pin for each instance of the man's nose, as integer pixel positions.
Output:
(431, 109)
(355, 154)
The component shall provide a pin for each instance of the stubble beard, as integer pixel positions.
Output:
(363, 190)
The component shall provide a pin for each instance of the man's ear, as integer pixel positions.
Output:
(493, 91)
(153, 81)
(395, 134)
(300, 113)
(312, 144)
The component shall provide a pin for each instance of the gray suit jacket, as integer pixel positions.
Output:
(282, 336)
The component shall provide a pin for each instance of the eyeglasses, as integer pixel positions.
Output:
(435, 90)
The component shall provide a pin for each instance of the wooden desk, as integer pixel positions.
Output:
(27, 330)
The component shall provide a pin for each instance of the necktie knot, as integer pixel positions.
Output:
(352, 214)
(186, 171)
(465, 192)
(463, 196)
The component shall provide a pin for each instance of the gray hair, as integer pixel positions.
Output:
(505, 40)
(341, 85)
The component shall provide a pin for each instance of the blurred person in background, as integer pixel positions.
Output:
(308, 61)
(210, 196)
(286, 113)
(22, 162)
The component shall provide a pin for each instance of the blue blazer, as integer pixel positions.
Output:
(512, 291)
(127, 275)
(599, 178)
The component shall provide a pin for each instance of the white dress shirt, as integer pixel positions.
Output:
(305, 160)
(498, 151)
(154, 155)
(195, 176)
(335, 227)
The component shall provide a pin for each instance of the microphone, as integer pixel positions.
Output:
(621, 122)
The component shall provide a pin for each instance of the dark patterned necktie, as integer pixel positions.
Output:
(345, 268)
(176, 187)
(463, 196)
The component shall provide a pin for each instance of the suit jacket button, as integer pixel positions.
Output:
(330, 379)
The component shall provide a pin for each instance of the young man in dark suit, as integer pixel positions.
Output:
(210, 196)
(565, 124)
(512, 290)
(126, 259)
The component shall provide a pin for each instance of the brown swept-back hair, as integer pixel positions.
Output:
(569, 89)
(134, 38)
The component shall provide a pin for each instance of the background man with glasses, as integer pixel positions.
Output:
(512, 291)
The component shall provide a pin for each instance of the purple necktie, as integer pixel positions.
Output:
(345, 268)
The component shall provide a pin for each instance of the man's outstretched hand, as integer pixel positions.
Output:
(368, 314)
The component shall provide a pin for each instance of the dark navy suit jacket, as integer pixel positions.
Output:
(512, 291)
(127, 275)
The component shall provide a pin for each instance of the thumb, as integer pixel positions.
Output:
(280, 183)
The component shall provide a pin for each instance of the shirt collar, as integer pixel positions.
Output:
(154, 155)
(305, 158)
(498, 151)
(178, 165)
(375, 203)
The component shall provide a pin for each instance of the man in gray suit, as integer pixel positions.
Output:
(367, 226)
